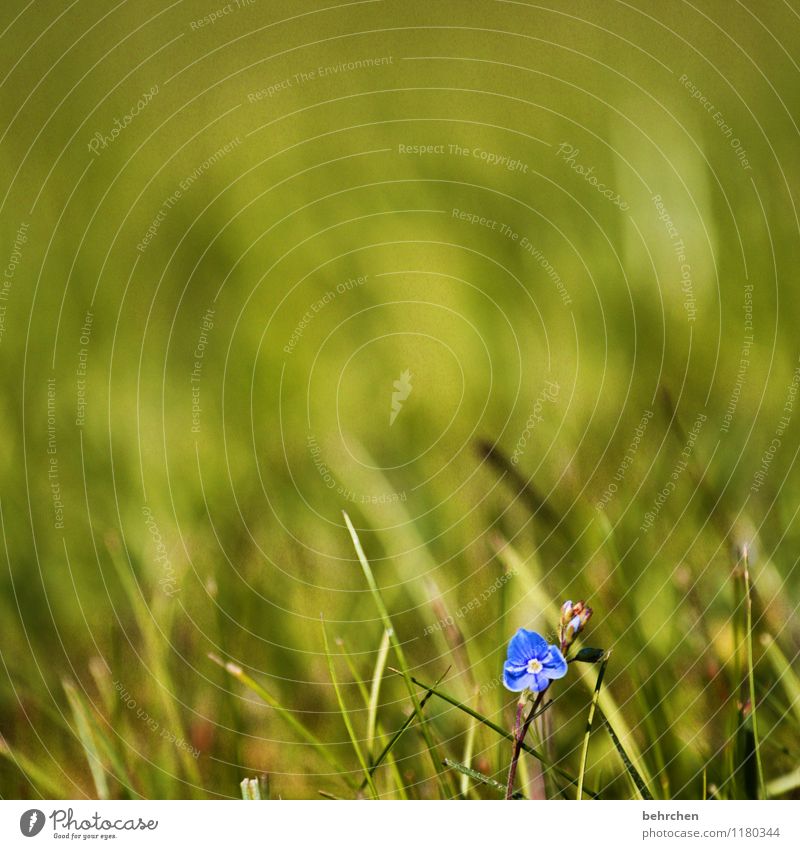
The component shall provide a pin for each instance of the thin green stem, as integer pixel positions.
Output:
(519, 739)
(589, 721)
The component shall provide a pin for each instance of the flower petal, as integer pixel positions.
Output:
(554, 665)
(516, 678)
(526, 645)
(540, 682)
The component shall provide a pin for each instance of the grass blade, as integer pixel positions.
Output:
(784, 784)
(751, 676)
(468, 772)
(400, 731)
(637, 779)
(736, 731)
(783, 672)
(398, 649)
(84, 730)
(155, 642)
(106, 734)
(345, 654)
(346, 716)
(590, 720)
(288, 717)
(523, 488)
(413, 557)
(40, 778)
(362, 689)
(374, 693)
(468, 747)
(502, 732)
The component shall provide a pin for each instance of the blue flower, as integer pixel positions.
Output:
(532, 663)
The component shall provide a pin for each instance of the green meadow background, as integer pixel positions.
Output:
(202, 318)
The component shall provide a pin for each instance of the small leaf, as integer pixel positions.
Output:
(588, 655)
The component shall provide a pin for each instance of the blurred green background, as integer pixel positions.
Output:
(188, 395)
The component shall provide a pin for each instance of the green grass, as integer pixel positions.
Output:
(165, 642)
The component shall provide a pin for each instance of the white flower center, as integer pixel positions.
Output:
(534, 665)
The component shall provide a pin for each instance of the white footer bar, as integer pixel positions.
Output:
(401, 824)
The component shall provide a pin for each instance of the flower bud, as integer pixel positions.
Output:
(573, 619)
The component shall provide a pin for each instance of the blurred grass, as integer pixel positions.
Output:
(254, 543)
